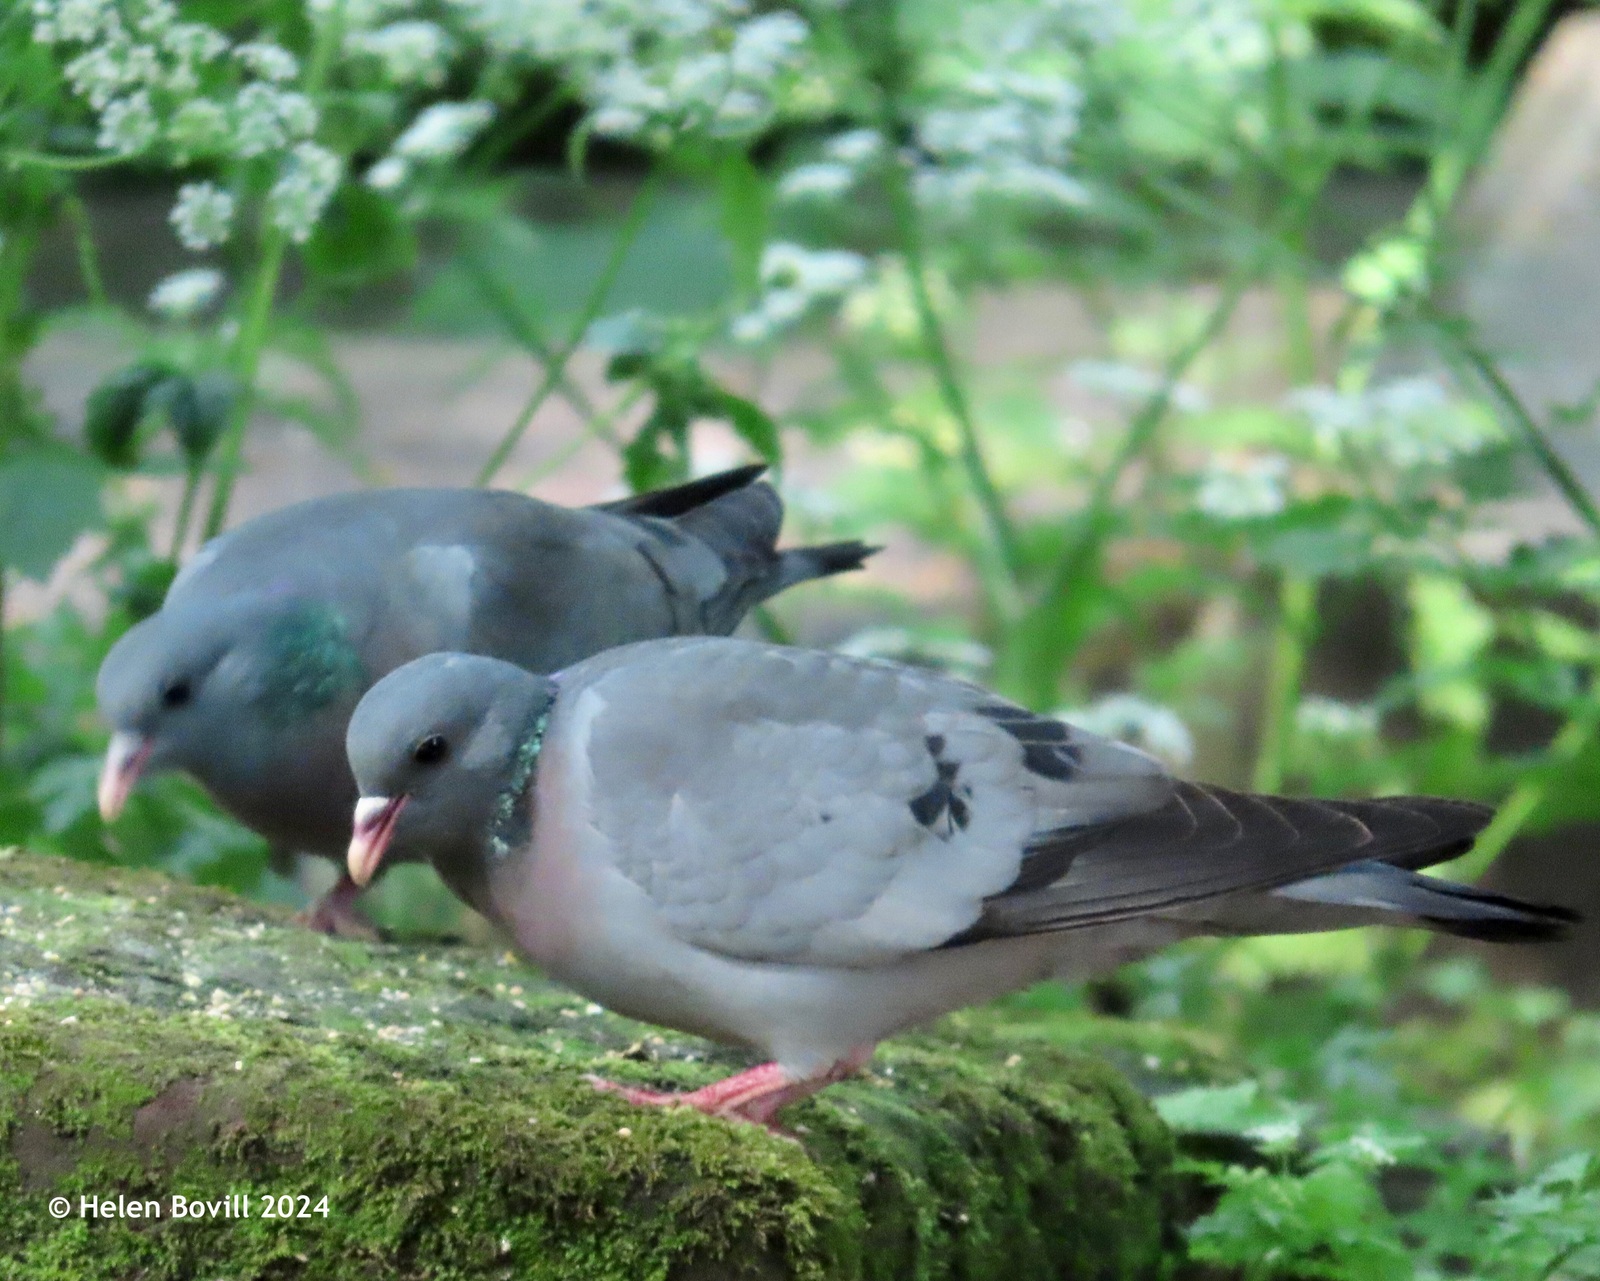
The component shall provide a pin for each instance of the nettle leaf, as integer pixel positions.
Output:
(754, 426)
(215, 393)
(1327, 537)
(362, 239)
(647, 463)
(48, 497)
(117, 407)
(684, 392)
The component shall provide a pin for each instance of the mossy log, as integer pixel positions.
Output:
(427, 1102)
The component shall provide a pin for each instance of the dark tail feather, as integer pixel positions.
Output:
(742, 528)
(797, 564)
(1494, 918)
(1447, 906)
(682, 499)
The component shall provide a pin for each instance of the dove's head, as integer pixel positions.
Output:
(444, 751)
(220, 688)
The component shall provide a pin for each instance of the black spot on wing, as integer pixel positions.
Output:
(943, 809)
(1047, 746)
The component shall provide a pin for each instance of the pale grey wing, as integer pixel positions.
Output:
(788, 805)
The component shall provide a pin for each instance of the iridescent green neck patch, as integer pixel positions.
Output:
(308, 662)
(511, 826)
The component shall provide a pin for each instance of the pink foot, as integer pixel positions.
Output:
(335, 913)
(756, 1095)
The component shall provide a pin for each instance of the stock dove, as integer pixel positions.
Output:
(802, 852)
(247, 675)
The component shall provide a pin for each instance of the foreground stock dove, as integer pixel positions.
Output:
(802, 852)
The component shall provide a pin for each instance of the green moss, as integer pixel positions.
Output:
(157, 1038)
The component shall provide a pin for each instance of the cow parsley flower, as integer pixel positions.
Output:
(267, 119)
(306, 183)
(1407, 424)
(1334, 721)
(792, 279)
(203, 215)
(1139, 722)
(1248, 488)
(443, 131)
(82, 21)
(766, 45)
(823, 180)
(1131, 384)
(200, 127)
(388, 174)
(186, 294)
(268, 61)
(128, 125)
(99, 75)
(412, 53)
(193, 43)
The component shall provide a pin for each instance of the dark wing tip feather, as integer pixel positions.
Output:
(1209, 841)
(1496, 918)
(679, 500)
(1536, 924)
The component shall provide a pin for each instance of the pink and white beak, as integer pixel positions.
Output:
(126, 757)
(374, 825)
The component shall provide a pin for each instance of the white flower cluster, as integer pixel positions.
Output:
(412, 52)
(1217, 39)
(153, 81)
(441, 131)
(1245, 488)
(650, 69)
(793, 278)
(843, 159)
(185, 294)
(1139, 722)
(1407, 424)
(1329, 720)
(1006, 134)
(1133, 384)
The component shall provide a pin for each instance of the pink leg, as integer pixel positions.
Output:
(335, 913)
(756, 1095)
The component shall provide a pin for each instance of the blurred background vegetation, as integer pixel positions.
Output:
(1212, 370)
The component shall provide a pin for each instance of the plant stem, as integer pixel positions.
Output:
(556, 368)
(246, 361)
(524, 329)
(936, 349)
(1140, 435)
(257, 320)
(3, 681)
(22, 158)
(180, 532)
(88, 254)
(597, 428)
(1291, 634)
(1512, 407)
(1518, 809)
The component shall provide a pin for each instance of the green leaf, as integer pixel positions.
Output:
(48, 497)
(743, 200)
(362, 239)
(753, 424)
(213, 396)
(116, 408)
(646, 462)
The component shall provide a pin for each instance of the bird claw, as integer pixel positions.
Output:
(755, 1096)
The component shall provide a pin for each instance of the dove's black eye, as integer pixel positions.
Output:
(431, 750)
(176, 694)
